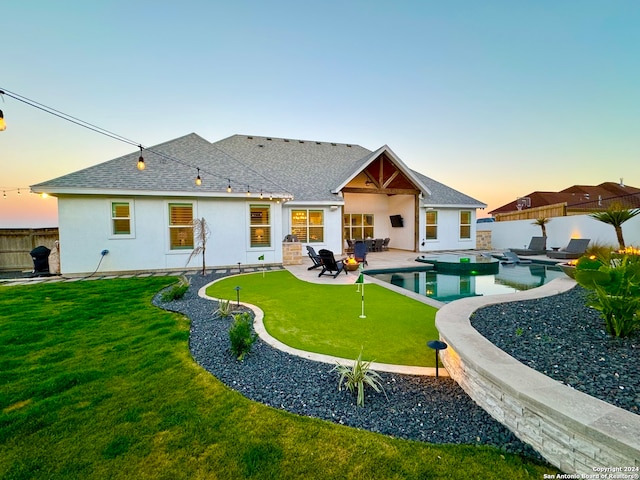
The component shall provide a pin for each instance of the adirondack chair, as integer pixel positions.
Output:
(315, 258)
(330, 265)
(360, 252)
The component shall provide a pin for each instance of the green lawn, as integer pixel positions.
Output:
(325, 318)
(97, 383)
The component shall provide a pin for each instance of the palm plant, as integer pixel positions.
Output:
(616, 215)
(201, 234)
(542, 223)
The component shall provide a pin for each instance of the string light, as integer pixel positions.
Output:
(4, 195)
(141, 165)
(260, 194)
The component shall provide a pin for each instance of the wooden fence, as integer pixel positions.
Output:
(16, 243)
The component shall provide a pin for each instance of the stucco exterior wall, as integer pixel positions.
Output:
(518, 233)
(85, 230)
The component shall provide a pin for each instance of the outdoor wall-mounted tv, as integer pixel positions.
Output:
(396, 220)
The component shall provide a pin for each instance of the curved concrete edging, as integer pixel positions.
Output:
(258, 325)
(572, 430)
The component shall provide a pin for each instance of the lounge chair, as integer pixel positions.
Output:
(315, 258)
(537, 246)
(511, 258)
(329, 264)
(574, 249)
(360, 252)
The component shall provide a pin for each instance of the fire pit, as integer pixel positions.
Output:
(351, 264)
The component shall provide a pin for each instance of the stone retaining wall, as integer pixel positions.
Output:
(572, 430)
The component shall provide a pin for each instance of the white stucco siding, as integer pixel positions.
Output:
(85, 230)
(448, 230)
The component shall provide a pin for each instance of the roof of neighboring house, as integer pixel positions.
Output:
(581, 197)
(310, 171)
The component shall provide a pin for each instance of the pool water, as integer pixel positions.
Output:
(447, 287)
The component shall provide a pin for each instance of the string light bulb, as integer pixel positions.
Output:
(44, 194)
(248, 191)
(198, 179)
(3, 124)
(271, 196)
(141, 165)
(260, 194)
(229, 185)
(4, 194)
(19, 192)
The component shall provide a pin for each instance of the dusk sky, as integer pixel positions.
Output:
(493, 98)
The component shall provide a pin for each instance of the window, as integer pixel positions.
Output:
(357, 225)
(432, 225)
(308, 225)
(180, 226)
(465, 224)
(260, 225)
(120, 218)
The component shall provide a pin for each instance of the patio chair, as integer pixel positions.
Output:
(360, 252)
(385, 244)
(377, 245)
(315, 258)
(349, 245)
(537, 246)
(511, 258)
(329, 264)
(574, 249)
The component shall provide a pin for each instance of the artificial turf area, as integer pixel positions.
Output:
(97, 383)
(326, 318)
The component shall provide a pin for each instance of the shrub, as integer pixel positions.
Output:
(241, 335)
(176, 291)
(224, 308)
(616, 286)
(357, 376)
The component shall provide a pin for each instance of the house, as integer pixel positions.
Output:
(253, 191)
(574, 200)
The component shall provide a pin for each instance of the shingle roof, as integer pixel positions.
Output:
(170, 167)
(309, 170)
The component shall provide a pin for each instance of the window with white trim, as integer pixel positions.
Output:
(121, 221)
(308, 225)
(465, 225)
(431, 232)
(260, 225)
(180, 226)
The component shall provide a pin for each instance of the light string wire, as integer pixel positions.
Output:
(120, 138)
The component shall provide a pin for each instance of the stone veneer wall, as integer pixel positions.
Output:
(291, 253)
(483, 239)
(573, 431)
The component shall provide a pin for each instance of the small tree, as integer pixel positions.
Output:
(542, 223)
(201, 234)
(616, 215)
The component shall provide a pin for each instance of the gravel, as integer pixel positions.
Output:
(559, 336)
(564, 339)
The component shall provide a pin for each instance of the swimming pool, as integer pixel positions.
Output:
(445, 287)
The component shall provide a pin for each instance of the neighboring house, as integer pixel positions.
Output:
(254, 191)
(575, 200)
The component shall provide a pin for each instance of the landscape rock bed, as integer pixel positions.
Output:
(566, 340)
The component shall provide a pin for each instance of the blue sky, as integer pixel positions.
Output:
(493, 98)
